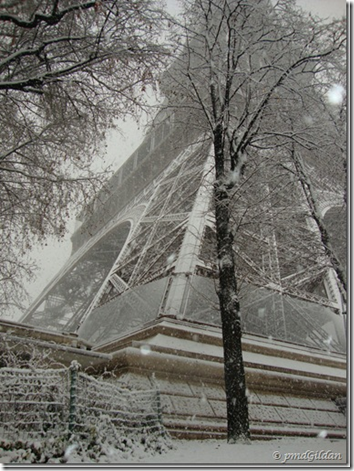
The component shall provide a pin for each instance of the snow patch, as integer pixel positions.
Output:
(233, 177)
(68, 452)
(225, 262)
(199, 452)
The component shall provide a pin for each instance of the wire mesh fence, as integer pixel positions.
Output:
(33, 403)
(62, 402)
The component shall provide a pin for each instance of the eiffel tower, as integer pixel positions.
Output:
(146, 249)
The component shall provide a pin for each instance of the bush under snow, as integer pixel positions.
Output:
(100, 447)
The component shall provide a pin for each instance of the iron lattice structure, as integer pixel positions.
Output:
(146, 249)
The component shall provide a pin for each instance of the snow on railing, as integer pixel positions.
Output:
(37, 403)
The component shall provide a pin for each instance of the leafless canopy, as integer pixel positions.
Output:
(68, 70)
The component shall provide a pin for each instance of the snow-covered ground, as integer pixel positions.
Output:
(295, 451)
(284, 452)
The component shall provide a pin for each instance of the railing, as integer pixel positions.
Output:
(37, 403)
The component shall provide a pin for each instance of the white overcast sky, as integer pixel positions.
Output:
(52, 257)
(324, 8)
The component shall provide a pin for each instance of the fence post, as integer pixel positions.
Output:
(158, 406)
(74, 368)
(158, 402)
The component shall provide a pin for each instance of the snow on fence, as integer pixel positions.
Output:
(38, 403)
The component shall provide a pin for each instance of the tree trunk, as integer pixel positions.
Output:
(235, 384)
(316, 215)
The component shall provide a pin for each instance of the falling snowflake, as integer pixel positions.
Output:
(308, 119)
(171, 258)
(145, 349)
(335, 94)
(203, 398)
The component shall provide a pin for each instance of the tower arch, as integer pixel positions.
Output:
(67, 298)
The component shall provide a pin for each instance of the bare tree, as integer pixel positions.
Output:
(68, 70)
(309, 138)
(242, 64)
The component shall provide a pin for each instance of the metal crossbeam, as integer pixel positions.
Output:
(167, 217)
